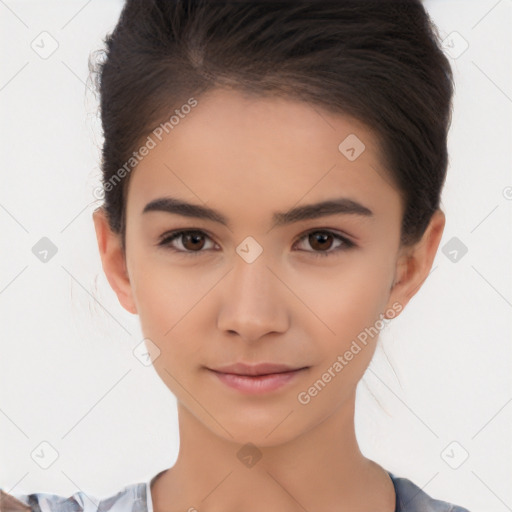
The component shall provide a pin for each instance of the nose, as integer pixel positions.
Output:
(253, 301)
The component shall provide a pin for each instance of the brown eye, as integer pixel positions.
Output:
(322, 240)
(192, 241)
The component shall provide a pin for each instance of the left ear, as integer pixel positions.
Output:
(414, 263)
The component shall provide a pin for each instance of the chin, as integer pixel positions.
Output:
(263, 431)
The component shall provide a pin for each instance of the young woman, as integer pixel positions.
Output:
(272, 174)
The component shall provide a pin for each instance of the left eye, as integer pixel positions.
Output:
(320, 238)
(193, 241)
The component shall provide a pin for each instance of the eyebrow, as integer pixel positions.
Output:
(338, 206)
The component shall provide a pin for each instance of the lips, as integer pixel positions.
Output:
(255, 369)
(257, 379)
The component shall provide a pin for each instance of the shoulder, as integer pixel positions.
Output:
(410, 498)
(131, 498)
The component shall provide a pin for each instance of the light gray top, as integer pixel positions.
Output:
(137, 498)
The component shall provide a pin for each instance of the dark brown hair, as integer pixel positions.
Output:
(379, 62)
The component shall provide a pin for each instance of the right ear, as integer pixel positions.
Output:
(113, 260)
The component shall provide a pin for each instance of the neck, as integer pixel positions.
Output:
(322, 469)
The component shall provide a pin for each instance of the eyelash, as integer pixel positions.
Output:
(167, 238)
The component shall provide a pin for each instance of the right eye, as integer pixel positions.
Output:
(190, 240)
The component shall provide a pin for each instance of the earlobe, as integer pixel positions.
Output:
(415, 263)
(113, 260)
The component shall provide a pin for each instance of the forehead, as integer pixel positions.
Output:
(234, 150)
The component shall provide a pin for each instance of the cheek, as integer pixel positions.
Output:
(352, 312)
(161, 290)
(170, 303)
(350, 305)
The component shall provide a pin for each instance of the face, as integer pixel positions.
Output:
(250, 284)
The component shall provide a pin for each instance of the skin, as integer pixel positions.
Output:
(249, 157)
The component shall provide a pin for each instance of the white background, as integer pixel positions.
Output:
(67, 372)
